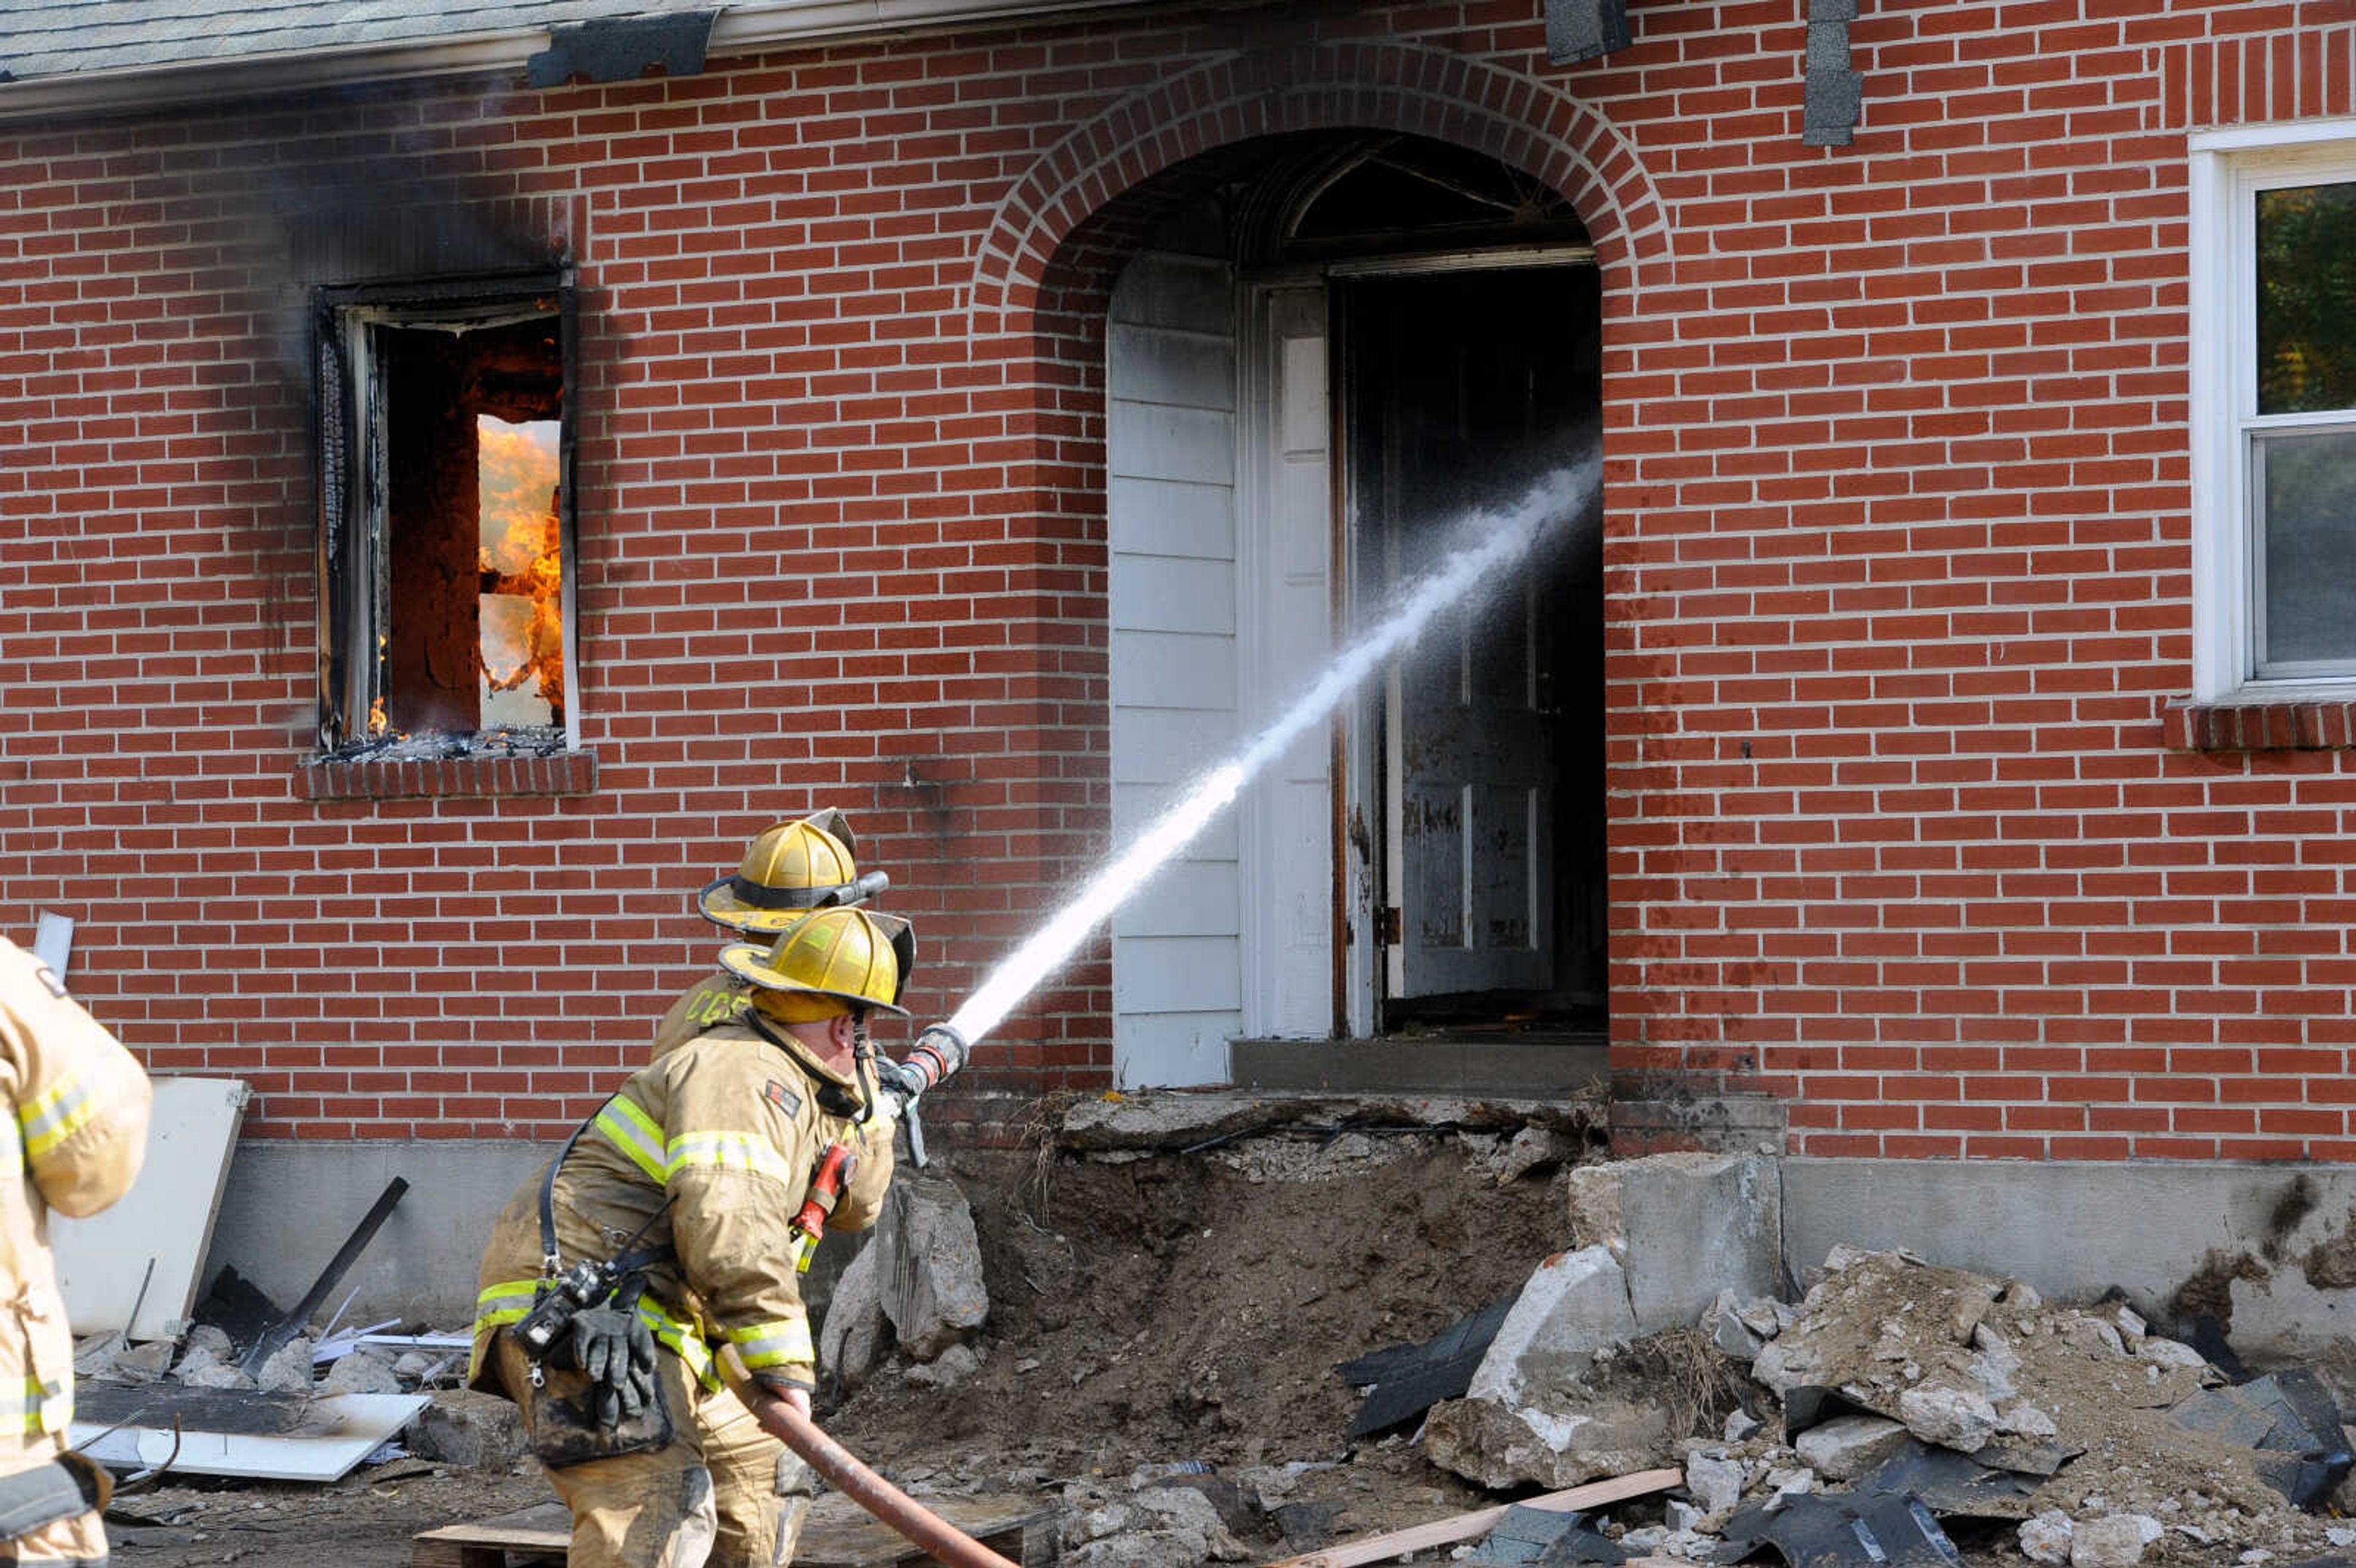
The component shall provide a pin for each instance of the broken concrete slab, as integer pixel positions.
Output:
(1849, 1447)
(854, 1335)
(1173, 1120)
(1572, 1306)
(1562, 1438)
(2046, 1538)
(1687, 1227)
(2116, 1540)
(1957, 1418)
(360, 1372)
(476, 1430)
(931, 1281)
(1696, 1224)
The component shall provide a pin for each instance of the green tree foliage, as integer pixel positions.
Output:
(2306, 299)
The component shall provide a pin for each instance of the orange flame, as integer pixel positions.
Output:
(376, 719)
(522, 547)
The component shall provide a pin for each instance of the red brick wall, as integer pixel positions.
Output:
(1897, 537)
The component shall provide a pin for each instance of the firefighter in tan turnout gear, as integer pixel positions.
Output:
(788, 870)
(80, 1122)
(669, 1226)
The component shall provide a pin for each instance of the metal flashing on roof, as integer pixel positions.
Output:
(623, 49)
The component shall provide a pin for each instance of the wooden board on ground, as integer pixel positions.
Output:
(147, 1253)
(841, 1534)
(1480, 1522)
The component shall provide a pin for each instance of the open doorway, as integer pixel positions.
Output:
(1334, 344)
(1483, 756)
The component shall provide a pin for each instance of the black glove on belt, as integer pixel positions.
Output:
(617, 1351)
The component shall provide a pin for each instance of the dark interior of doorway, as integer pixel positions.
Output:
(1460, 389)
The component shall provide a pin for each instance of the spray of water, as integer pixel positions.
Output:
(1494, 540)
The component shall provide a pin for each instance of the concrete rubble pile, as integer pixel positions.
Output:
(1894, 1396)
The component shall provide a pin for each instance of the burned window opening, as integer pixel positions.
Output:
(445, 444)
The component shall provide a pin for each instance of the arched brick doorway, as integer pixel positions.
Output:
(1048, 295)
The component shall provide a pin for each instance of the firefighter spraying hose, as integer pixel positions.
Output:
(651, 1375)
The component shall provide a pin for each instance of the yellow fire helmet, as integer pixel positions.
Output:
(826, 960)
(791, 868)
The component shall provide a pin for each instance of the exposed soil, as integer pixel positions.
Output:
(1176, 1308)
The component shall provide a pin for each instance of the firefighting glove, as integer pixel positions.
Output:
(617, 1351)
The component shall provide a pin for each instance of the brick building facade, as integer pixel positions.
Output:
(1950, 805)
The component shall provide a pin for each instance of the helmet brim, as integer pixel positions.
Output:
(750, 961)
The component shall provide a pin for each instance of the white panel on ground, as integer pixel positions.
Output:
(1285, 528)
(156, 1236)
(1170, 450)
(335, 1434)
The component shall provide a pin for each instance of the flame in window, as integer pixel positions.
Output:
(523, 565)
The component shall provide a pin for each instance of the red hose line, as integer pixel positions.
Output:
(862, 1485)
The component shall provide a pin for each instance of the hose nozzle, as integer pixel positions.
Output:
(938, 1053)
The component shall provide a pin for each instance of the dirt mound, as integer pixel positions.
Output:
(1169, 1308)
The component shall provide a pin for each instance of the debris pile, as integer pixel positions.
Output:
(1896, 1409)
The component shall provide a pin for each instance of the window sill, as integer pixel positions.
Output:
(562, 773)
(2276, 724)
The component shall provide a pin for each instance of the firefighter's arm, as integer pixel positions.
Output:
(738, 1167)
(80, 1098)
(863, 1197)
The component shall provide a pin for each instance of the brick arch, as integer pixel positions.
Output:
(1515, 118)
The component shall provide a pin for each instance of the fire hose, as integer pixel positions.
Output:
(862, 1486)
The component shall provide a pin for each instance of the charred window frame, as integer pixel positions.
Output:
(415, 384)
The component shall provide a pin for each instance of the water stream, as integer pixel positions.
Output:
(1492, 541)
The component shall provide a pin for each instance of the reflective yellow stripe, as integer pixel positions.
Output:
(37, 1409)
(774, 1344)
(684, 1340)
(730, 1151)
(507, 1302)
(633, 1132)
(55, 1114)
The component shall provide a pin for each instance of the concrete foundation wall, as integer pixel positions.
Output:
(289, 1206)
(2273, 1245)
(2271, 1248)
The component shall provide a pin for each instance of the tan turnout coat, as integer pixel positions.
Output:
(78, 1105)
(729, 1126)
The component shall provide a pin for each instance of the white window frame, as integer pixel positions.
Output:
(2228, 167)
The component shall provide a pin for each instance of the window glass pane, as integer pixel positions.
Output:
(2306, 298)
(2307, 492)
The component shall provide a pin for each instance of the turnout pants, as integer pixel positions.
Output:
(721, 1494)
